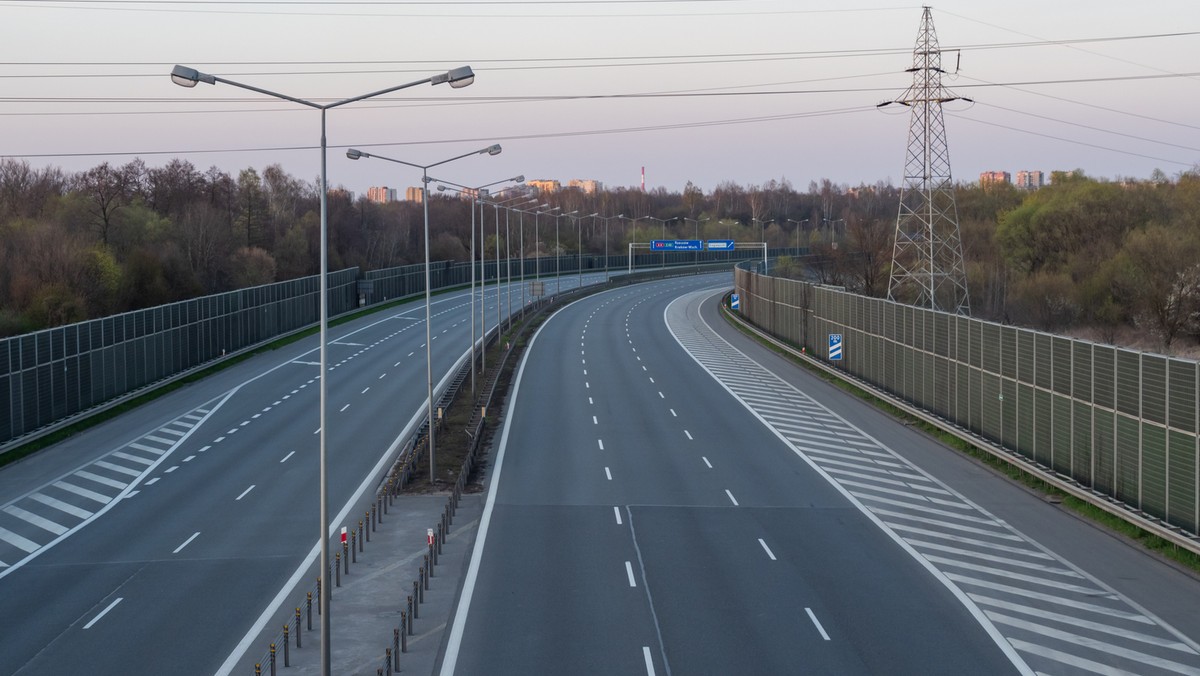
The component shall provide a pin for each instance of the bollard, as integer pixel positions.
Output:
(379, 501)
(367, 516)
(257, 669)
(417, 597)
(337, 564)
(353, 548)
(441, 536)
(405, 631)
(272, 659)
(298, 643)
(309, 604)
(318, 597)
(396, 649)
(287, 651)
(387, 657)
(374, 518)
(431, 558)
(384, 500)
(424, 584)
(412, 612)
(365, 536)
(346, 555)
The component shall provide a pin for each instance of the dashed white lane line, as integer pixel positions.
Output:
(813, 617)
(608, 474)
(203, 449)
(689, 435)
(600, 442)
(364, 390)
(255, 416)
(186, 542)
(244, 493)
(104, 612)
(629, 572)
(591, 402)
(344, 408)
(673, 413)
(595, 421)
(587, 385)
(661, 395)
(172, 468)
(152, 481)
(285, 458)
(706, 462)
(617, 513)
(218, 440)
(731, 498)
(189, 458)
(767, 549)
(649, 660)
(382, 376)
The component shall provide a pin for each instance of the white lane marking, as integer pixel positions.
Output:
(382, 376)
(117, 468)
(159, 440)
(813, 617)
(398, 363)
(661, 396)
(344, 408)
(673, 413)
(61, 506)
(587, 386)
(767, 549)
(186, 542)
(317, 431)
(142, 447)
(153, 481)
(594, 421)
(170, 469)
(168, 430)
(256, 415)
(285, 458)
(649, 660)
(689, 435)
(132, 458)
(203, 449)
(218, 440)
(244, 493)
(130, 494)
(189, 458)
(591, 402)
(22, 543)
(91, 495)
(617, 513)
(706, 462)
(731, 498)
(652, 381)
(39, 521)
(585, 372)
(608, 474)
(601, 443)
(364, 390)
(111, 483)
(409, 354)
(629, 572)
(644, 368)
(103, 612)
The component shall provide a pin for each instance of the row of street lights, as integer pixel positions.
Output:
(457, 78)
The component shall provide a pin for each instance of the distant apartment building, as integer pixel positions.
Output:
(1030, 180)
(545, 185)
(993, 177)
(413, 195)
(381, 194)
(587, 185)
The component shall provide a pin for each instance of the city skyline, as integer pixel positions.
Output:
(745, 90)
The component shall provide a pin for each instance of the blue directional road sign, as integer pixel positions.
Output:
(835, 347)
(674, 245)
(720, 245)
(735, 301)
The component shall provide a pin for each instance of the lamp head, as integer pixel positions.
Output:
(491, 150)
(355, 153)
(458, 77)
(484, 192)
(519, 179)
(441, 188)
(188, 77)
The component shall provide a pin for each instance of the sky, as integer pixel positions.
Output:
(692, 90)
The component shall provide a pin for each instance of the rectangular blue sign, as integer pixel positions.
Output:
(720, 245)
(674, 245)
(835, 347)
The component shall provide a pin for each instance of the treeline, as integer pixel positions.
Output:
(1107, 255)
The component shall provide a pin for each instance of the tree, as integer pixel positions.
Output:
(107, 190)
(1162, 278)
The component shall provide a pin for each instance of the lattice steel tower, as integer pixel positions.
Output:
(927, 260)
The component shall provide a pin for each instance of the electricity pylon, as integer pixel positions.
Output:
(927, 260)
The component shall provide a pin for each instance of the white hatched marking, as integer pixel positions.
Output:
(147, 449)
(112, 483)
(22, 543)
(1010, 575)
(82, 492)
(157, 440)
(112, 467)
(1093, 644)
(61, 506)
(1050, 598)
(168, 430)
(1083, 624)
(39, 521)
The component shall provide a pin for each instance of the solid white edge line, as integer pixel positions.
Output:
(186, 542)
(812, 616)
(649, 660)
(104, 612)
(767, 549)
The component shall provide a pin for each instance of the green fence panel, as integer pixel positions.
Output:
(1154, 388)
(1104, 451)
(1127, 464)
(1154, 470)
(1081, 443)
(1061, 434)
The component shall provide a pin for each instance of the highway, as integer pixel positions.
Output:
(156, 541)
(668, 497)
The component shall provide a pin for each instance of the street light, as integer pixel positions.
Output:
(558, 253)
(799, 224)
(497, 206)
(355, 154)
(185, 76)
(474, 193)
(762, 228)
(664, 234)
(606, 219)
(697, 222)
(579, 243)
(521, 246)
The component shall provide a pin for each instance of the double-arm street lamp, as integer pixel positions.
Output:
(663, 221)
(355, 154)
(474, 194)
(579, 242)
(185, 76)
(799, 227)
(558, 253)
(606, 219)
(521, 246)
(697, 222)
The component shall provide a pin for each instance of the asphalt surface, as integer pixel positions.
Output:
(662, 503)
(164, 540)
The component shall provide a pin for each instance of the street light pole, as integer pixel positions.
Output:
(579, 245)
(355, 154)
(799, 225)
(558, 254)
(456, 78)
